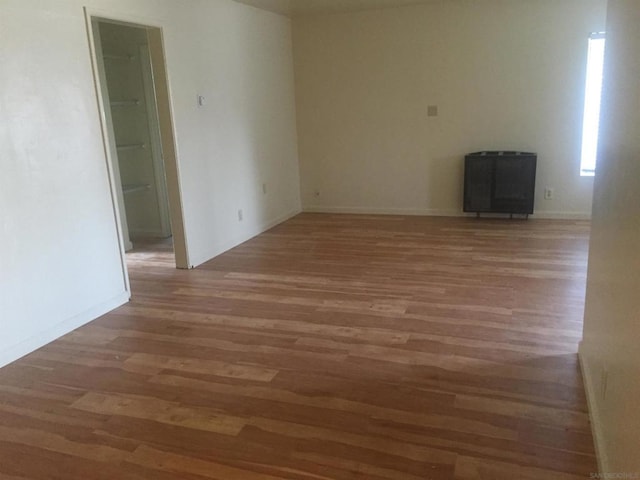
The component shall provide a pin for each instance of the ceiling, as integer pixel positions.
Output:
(306, 7)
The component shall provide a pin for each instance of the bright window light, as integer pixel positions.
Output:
(593, 93)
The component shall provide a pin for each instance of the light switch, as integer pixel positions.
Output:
(201, 101)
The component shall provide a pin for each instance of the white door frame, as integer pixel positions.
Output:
(167, 132)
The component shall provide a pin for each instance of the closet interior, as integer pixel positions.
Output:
(142, 191)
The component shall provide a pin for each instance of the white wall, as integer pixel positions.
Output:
(60, 261)
(610, 351)
(240, 59)
(505, 74)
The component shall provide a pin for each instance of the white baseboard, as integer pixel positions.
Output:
(27, 346)
(433, 212)
(594, 415)
(234, 242)
(563, 215)
(383, 211)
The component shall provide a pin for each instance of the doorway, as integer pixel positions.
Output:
(133, 95)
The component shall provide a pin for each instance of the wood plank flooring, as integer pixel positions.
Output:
(330, 347)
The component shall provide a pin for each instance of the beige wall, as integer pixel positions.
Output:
(505, 74)
(60, 261)
(610, 351)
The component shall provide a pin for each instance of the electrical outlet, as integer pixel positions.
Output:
(240, 215)
(432, 110)
(264, 188)
(548, 193)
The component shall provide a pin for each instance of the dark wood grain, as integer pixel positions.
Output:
(330, 347)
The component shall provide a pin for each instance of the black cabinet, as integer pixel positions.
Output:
(499, 182)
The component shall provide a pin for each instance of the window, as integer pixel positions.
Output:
(593, 92)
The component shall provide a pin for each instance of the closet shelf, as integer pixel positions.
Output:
(136, 187)
(131, 146)
(125, 103)
(113, 56)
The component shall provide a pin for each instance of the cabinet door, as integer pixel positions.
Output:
(478, 178)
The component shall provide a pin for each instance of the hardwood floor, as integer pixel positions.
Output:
(330, 347)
